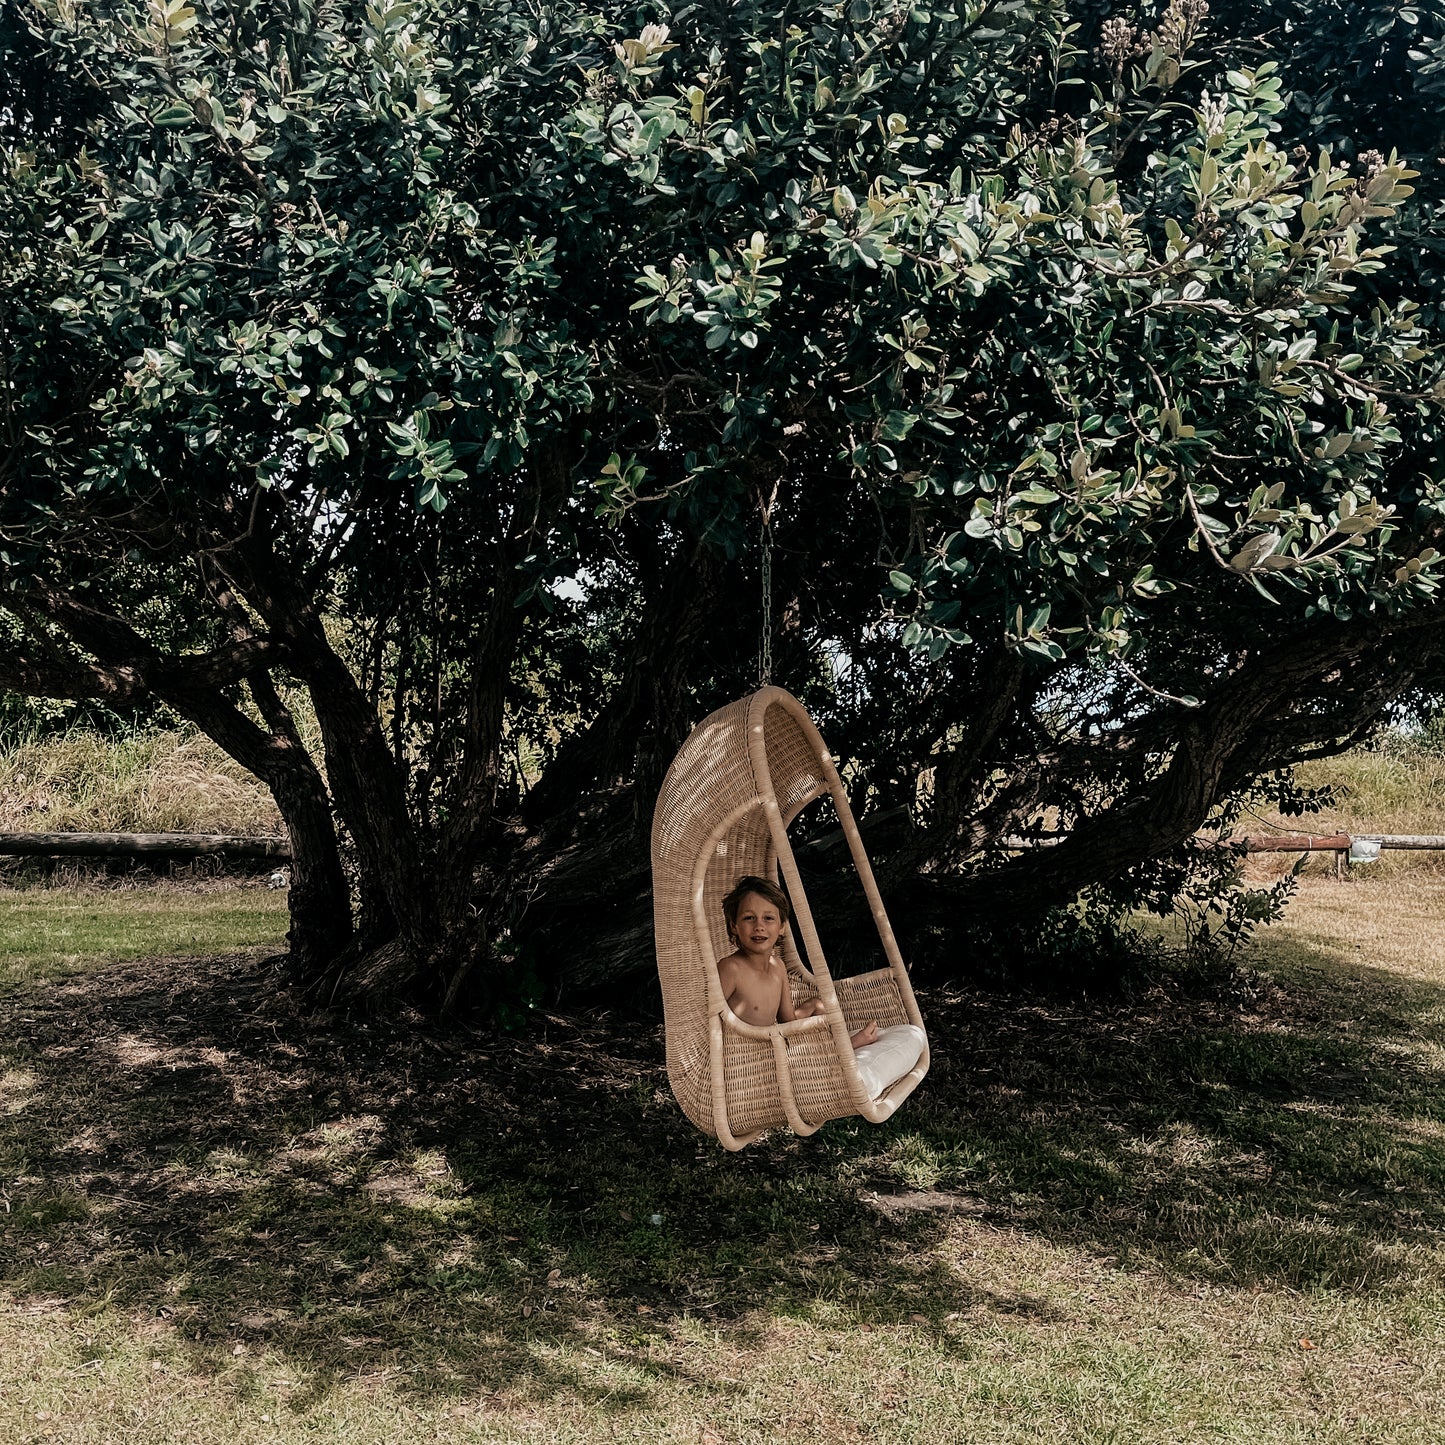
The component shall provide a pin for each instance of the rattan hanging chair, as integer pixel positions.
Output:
(740, 778)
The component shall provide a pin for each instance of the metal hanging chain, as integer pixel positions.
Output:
(765, 547)
(765, 655)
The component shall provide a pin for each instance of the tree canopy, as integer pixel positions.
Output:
(443, 361)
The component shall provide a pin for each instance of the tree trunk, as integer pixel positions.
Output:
(366, 782)
(639, 727)
(320, 899)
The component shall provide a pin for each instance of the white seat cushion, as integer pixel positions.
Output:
(885, 1062)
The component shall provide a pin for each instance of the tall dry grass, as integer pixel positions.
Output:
(1396, 785)
(151, 782)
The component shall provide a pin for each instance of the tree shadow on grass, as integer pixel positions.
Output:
(444, 1209)
(1289, 1137)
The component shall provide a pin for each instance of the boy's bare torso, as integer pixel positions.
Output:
(754, 980)
(755, 989)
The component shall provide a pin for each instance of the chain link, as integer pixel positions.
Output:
(765, 654)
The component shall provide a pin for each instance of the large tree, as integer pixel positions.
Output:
(441, 361)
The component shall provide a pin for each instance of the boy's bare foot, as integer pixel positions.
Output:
(868, 1034)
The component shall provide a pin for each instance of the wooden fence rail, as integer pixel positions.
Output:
(1340, 842)
(190, 845)
(135, 845)
(1281, 842)
(1347, 847)
(1298, 843)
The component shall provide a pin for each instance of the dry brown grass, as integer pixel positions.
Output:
(157, 782)
(1370, 917)
(1397, 787)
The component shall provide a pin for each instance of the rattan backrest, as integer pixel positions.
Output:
(710, 780)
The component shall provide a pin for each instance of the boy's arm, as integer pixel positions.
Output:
(786, 1015)
(727, 977)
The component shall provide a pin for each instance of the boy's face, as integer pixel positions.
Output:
(759, 926)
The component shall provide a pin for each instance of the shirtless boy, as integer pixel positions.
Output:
(754, 980)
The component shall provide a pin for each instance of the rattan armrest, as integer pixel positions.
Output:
(765, 1032)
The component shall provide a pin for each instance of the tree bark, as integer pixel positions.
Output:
(320, 897)
(367, 786)
(590, 918)
(1218, 749)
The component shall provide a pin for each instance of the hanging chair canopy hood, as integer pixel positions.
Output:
(741, 777)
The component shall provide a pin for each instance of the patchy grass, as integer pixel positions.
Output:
(47, 932)
(1175, 1221)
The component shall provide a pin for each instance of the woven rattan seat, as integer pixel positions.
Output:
(741, 777)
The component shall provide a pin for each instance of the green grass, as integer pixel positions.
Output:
(1175, 1220)
(47, 932)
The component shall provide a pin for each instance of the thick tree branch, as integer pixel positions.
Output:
(473, 795)
(138, 661)
(956, 773)
(1218, 748)
(366, 781)
(71, 681)
(636, 730)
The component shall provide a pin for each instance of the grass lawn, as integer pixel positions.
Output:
(222, 1220)
(47, 932)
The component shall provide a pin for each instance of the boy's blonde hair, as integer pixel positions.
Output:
(764, 889)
